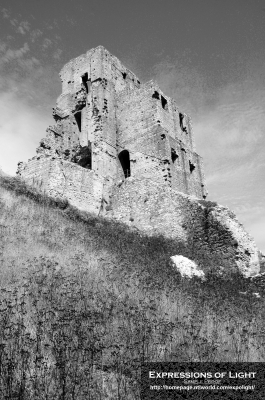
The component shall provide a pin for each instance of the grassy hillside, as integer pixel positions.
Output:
(83, 301)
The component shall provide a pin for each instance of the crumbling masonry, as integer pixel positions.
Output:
(123, 149)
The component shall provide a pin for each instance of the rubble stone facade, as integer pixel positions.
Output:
(109, 126)
(123, 149)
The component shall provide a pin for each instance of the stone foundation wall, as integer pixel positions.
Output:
(212, 234)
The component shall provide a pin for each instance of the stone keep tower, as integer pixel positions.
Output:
(109, 127)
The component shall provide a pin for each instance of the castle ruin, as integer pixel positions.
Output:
(124, 150)
(108, 127)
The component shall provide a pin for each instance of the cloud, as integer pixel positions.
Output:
(11, 55)
(3, 47)
(71, 21)
(18, 60)
(6, 13)
(51, 25)
(35, 34)
(28, 64)
(23, 27)
(46, 43)
(21, 129)
(57, 54)
(28, 91)
(43, 42)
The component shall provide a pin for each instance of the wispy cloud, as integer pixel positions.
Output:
(57, 54)
(3, 47)
(35, 34)
(10, 54)
(46, 43)
(23, 27)
(71, 21)
(6, 13)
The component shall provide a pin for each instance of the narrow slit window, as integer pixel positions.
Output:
(164, 103)
(192, 166)
(174, 155)
(124, 158)
(181, 124)
(78, 118)
(86, 82)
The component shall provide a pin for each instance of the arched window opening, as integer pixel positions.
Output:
(124, 158)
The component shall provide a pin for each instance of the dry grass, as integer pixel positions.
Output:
(84, 301)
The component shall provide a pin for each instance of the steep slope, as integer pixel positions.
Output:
(84, 301)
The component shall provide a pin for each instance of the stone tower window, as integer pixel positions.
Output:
(78, 118)
(124, 158)
(164, 103)
(174, 155)
(83, 156)
(182, 127)
(192, 166)
(86, 82)
(155, 95)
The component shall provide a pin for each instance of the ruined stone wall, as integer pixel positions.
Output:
(85, 120)
(105, 75)
(186, 169)
(140, 134)
(159, 148)
(83, 188)
(99, 64)
(212, 234)
(85, 111)
(104, 109)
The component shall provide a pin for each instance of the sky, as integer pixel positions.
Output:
(209, 55)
